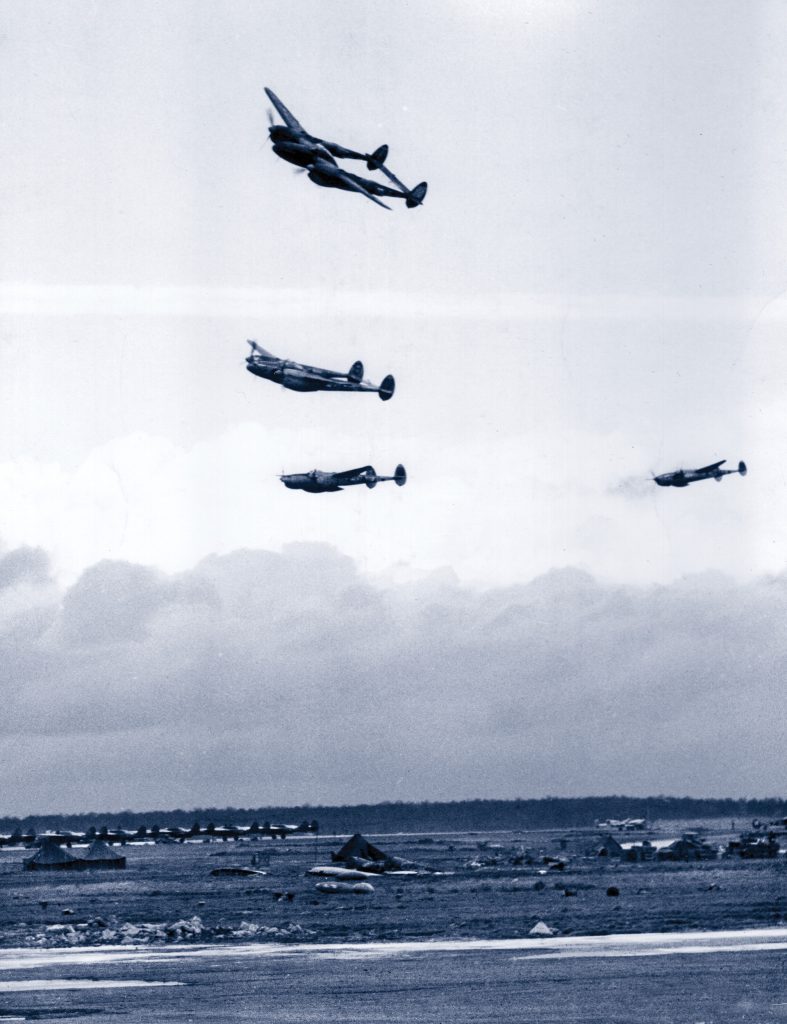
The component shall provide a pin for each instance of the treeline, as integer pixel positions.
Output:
(460, 815)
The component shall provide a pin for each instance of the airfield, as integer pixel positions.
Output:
(710, 978)
(166, 939)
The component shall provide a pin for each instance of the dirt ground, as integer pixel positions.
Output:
(479, 887)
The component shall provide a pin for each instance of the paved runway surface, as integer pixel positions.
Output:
(709, 977)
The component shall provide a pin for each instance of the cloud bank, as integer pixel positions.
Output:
(259, 678)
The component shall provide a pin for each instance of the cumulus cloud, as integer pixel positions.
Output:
(261, 677)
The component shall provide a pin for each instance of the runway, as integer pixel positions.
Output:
(708, 977)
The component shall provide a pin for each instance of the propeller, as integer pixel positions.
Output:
(271, 123)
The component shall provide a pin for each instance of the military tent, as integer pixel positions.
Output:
(52, 857)
(101, 855)
(358, 848)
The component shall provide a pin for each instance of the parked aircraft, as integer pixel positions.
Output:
(684, 477)
(18, 838)
(299, 377)
(625, 824)
(318, 481)
(61, 837)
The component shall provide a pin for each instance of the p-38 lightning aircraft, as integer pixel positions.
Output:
(684, 477)
(299, 377)
(293, 132)
(292, 143)
(318, 481)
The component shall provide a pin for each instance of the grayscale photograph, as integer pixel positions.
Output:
(393, 511)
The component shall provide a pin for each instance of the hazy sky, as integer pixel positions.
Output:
(593, 291)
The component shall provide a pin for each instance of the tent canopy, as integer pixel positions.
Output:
(358, 846)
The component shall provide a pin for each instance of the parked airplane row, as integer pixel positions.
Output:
(65, 837)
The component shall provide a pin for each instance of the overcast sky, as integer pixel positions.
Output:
(593, 291)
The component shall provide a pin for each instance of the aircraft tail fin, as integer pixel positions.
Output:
(377, 159)
(416, 196)
(370, 478)
(387, 388)
(742, 468)
(355, 373)
(400, 475)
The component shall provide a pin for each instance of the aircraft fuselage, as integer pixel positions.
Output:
(684, 477)
(315, 482)
(301, 154)
(288, 377)
(281, 134)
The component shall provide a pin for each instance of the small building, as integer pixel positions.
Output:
(754, 846)
(637, 852)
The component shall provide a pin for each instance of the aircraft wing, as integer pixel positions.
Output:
(359, 188)
(714, 465)
(318, 373)
(283, 112)
(349, 475)
(315, 373)
(258, 350)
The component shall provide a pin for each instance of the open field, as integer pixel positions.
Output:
(167, 894)
(711, 978)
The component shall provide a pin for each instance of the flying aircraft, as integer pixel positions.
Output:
(293, 132)
(329, 175)
(314, 157)
(684, 477)
(299, 377)
(292, 143)
(319, 481)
